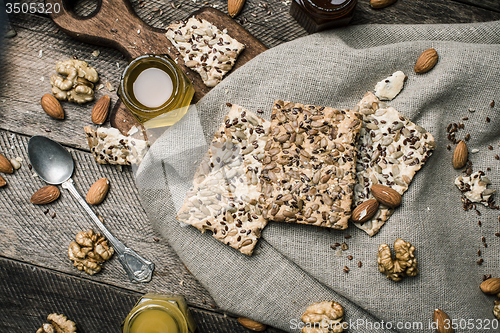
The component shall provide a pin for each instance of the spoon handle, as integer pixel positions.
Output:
(138, 269)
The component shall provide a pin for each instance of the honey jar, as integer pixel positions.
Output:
(155, 90)
(159, 313)
(318, 15)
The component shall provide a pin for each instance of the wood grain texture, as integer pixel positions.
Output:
(30, 293)
(29, 235)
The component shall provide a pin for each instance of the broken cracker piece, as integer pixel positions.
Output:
(205, 49)
(391, 86)
(474, 187)
(391, 149)
(226, 187)
(109, 146)
(309, 165)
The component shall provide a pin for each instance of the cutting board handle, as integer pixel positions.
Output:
(113, 24)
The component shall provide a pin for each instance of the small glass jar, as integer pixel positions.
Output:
(159, 313)
(171, 108)
(318, 15)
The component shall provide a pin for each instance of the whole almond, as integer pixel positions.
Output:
(100, 110)
(443, 322)
(2, 182)
(386, 195)
(426, 61)
(460, 155)
(97, 192)
(52, 107)
(5, 165)
(365, 211)
(45, 195)
(252, 324)
(381, 3)
(491, 286)
(234, 7)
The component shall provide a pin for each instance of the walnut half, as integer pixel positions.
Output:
(89, 251)
(58, 324)
(404, 264)
(78, 85)
(323, 317)
(496, 309)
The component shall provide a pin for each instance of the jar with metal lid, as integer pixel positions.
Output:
(318, 15)
(159, 313)
(155, 90)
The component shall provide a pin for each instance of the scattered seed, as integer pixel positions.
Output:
(349, 257)
(448, 147)
(229, 104)
(46, 211)
(213, 306)
(344, 246)
(360, 264)
(467, 137)
(484, 278)
(488, 119)
(53, 215)
(347, 236)
(480, 261)
(260, 111)
(172, 5)
(490, 147)
(113, 30)
(497, 157)
(333, 247)
(156, 239)
(465, 118)
(346, 269)
(31, 167)
(75, 57)
(204, 301)
(488, 276)
(48, 130)
(497, 234)
(478, 253)
(492, 103)
(488, 169)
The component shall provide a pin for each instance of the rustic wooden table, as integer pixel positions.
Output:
(36, 277)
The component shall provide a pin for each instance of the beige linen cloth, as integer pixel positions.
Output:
(294, 265)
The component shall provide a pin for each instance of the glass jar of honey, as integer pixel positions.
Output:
(159, 313)
(155, 90)
(318, 15)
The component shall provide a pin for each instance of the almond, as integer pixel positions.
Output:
(365, 211)
(491, 286)
(45, 195)
(100, 110)
(234, 7)
(52, 107)
(426, 61)
(460, 155)
(98, 191)
(252, 324)
(2, 182)
(443, 322)
(5, 165)
(386, 195)
(381, 3)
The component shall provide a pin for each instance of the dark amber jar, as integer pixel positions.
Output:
(318, 15)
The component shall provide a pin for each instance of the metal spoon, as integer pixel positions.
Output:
(55, 165)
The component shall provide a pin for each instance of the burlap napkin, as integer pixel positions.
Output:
(294, 265)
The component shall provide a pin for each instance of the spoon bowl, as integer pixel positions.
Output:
(54, 164)
(50, 160)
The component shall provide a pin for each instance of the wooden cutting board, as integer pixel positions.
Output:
(115, 24)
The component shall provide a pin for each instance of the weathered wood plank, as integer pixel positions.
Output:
(30, 293)
(29, 235)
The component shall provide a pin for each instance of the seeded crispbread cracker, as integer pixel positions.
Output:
(391, 149)
(204, 48)
(474, 187)
(309, 164)
(109, 146)
(226, 187)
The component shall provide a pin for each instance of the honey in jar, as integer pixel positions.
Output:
(159, 313)
(318, 15)
(155, 90)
